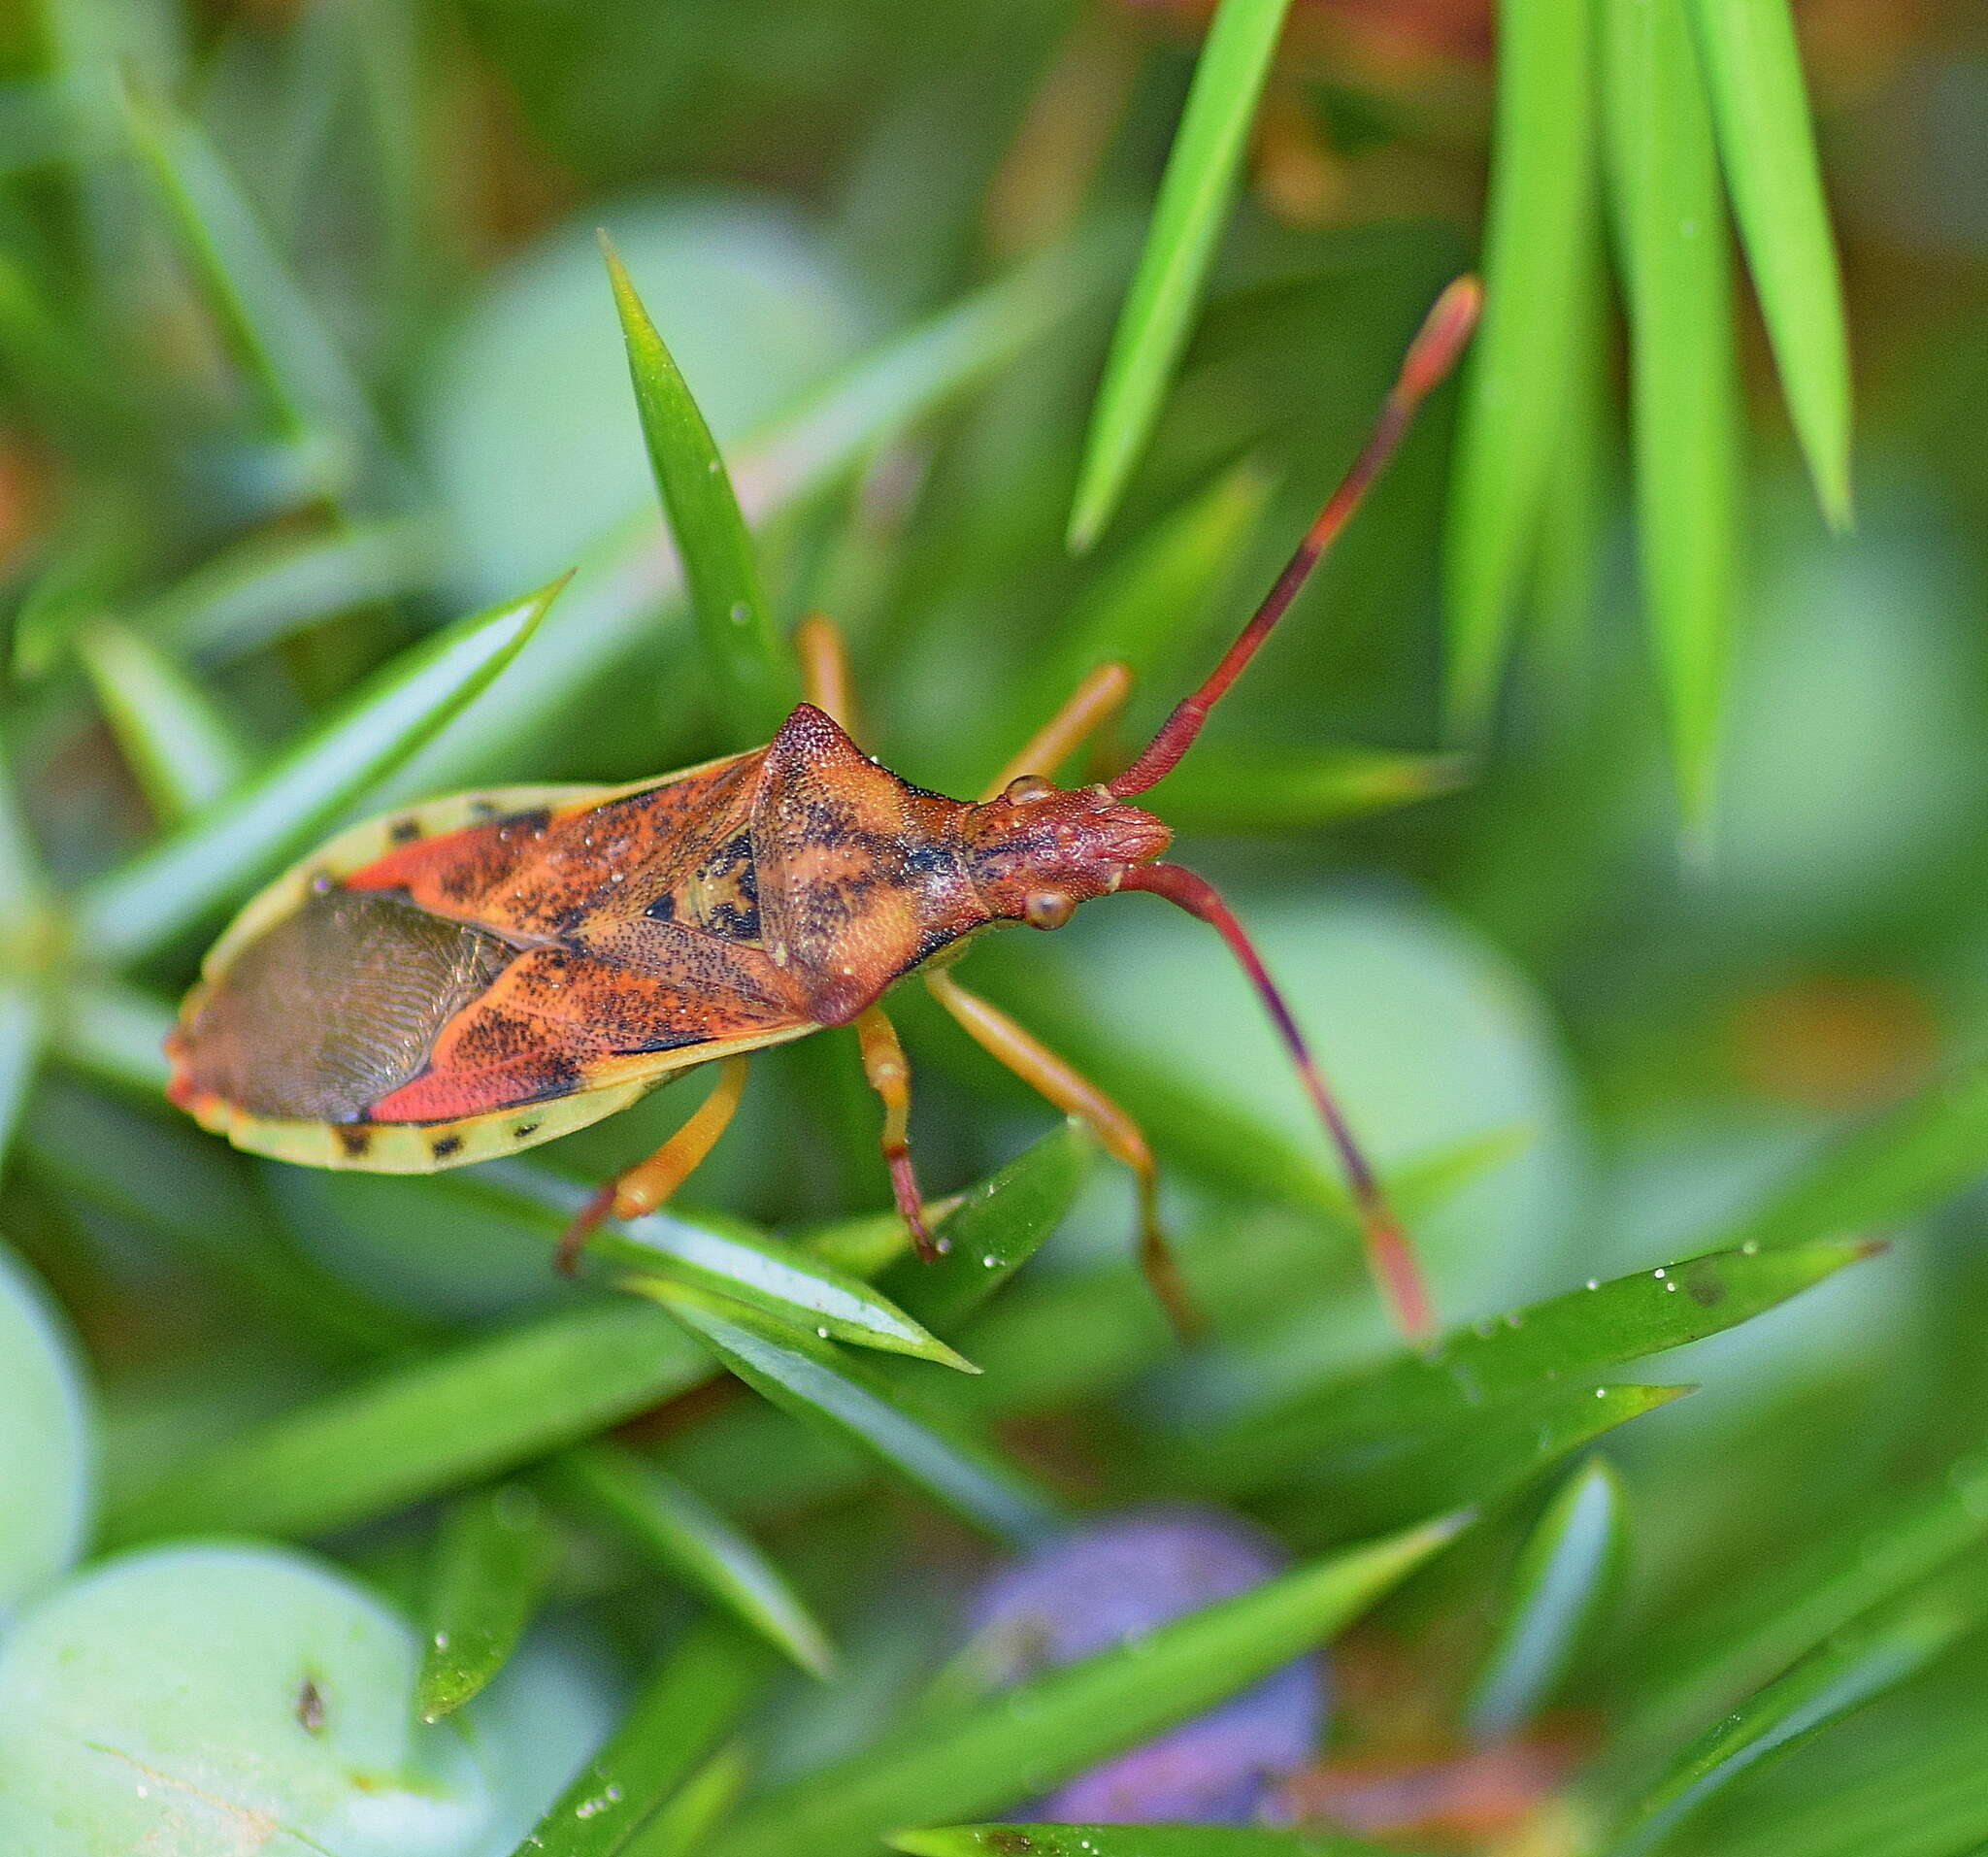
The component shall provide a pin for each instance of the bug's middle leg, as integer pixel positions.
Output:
(645, 1186)
(890, 1077)
(1075, 1095)
(1085, 710)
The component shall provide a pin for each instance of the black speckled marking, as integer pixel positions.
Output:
(444, 1146)
(496, 859)
(405, 831)
(522, 1130)
(353, 1139)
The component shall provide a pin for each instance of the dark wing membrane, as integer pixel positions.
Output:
(333, 1006)
(361, 1008)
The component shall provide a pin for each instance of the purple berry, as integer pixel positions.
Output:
(1114, 1579)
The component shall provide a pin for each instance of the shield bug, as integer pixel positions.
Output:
(469, 977)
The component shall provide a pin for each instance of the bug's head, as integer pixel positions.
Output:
(1036, 850)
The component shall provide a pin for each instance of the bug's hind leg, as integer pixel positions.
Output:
(645, 1186)
(890, 1077)
(1088, 708)
(1075, 1095)
(825, 683)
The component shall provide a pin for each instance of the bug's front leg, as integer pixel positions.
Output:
(825, 680)
(645, 1186)
(890, 1077)
(1075, 1095)
(1082, 712)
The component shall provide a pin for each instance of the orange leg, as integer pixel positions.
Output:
(645, 1186)
(890, 1077)
(825, 669)
(1074, 1094)
(1087, 708)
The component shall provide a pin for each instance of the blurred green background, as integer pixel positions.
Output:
(1613, 806)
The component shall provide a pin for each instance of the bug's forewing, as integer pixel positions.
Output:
(417, 997)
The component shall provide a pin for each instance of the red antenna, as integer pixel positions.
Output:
(1389, 1255)
(1431, 355)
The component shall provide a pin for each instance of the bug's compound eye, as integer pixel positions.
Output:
(1048, 909)
(1027, 789)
